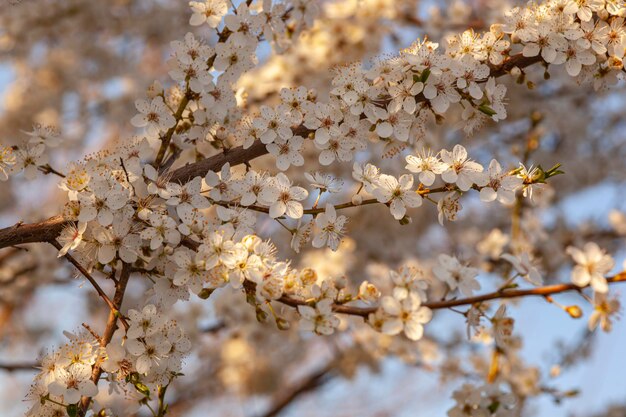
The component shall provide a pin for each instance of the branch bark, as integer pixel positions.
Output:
(111, 327)
(437, 305)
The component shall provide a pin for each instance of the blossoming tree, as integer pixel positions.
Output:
(283, 188)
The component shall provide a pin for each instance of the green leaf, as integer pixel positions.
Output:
(425, 75)
(487, 110)
(205, 293)
(493, 407)
(142, 389)
(72, 410)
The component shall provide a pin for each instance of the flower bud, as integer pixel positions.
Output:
(155, 89)
(357, 200)
(142, 389)
(574, 311)
(205, 293)
(405, 220)
(72, 410)
(282, 324)
(261, 316)
(368, 292)
(308, 277)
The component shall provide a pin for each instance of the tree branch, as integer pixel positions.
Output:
(93, 282)
(13, 367)
(111, 326)
(437, 305)
(312, 382)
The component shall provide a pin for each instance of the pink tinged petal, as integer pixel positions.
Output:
(384, 129)
(580, 276)
(573, 67)
(398, 210)
(440, 104)
(450, 176)
(71, 396)
(531, 49)
(88, 388)
(248, 199)
(549, 54)
(326, 157)
(197, 19)
(406, 181)
(87, 214)
(392, 326)
(294, 210)
(534, 277)
(599, 284)
(135, 347)
(298, 193)
(307, 312)
(427, 178)
(576, 254)
(56, 388)
(143, 364)
(412, 199)
(505, 196)
(488, 194)
(423, 315)
(413, 330)
(105, 217)
(277, 209)
(282, 162)
(430, 91)
(475, 91)
(322, 136)
(139, 120)
(319, 241)
(106, 254)
(391, 306)
(127, 255)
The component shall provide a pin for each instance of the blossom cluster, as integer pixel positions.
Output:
(65, 375)
(126, 208)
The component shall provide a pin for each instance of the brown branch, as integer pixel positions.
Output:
(91, 280)
(312, 382)
(20, 233)
(13, 367)
(111, 326)
(437, 305)
(234, 156)
(165, 140)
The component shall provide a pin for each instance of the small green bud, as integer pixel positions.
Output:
(261, 315)
(282, 324)
(205, 293)
(72, 410)
(487, 110)
(142, 388)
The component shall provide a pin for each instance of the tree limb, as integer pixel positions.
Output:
(437, 305)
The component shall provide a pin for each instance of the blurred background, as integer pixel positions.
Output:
(79, 65)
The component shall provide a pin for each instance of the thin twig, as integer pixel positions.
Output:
(437, 305)
(92, 281)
